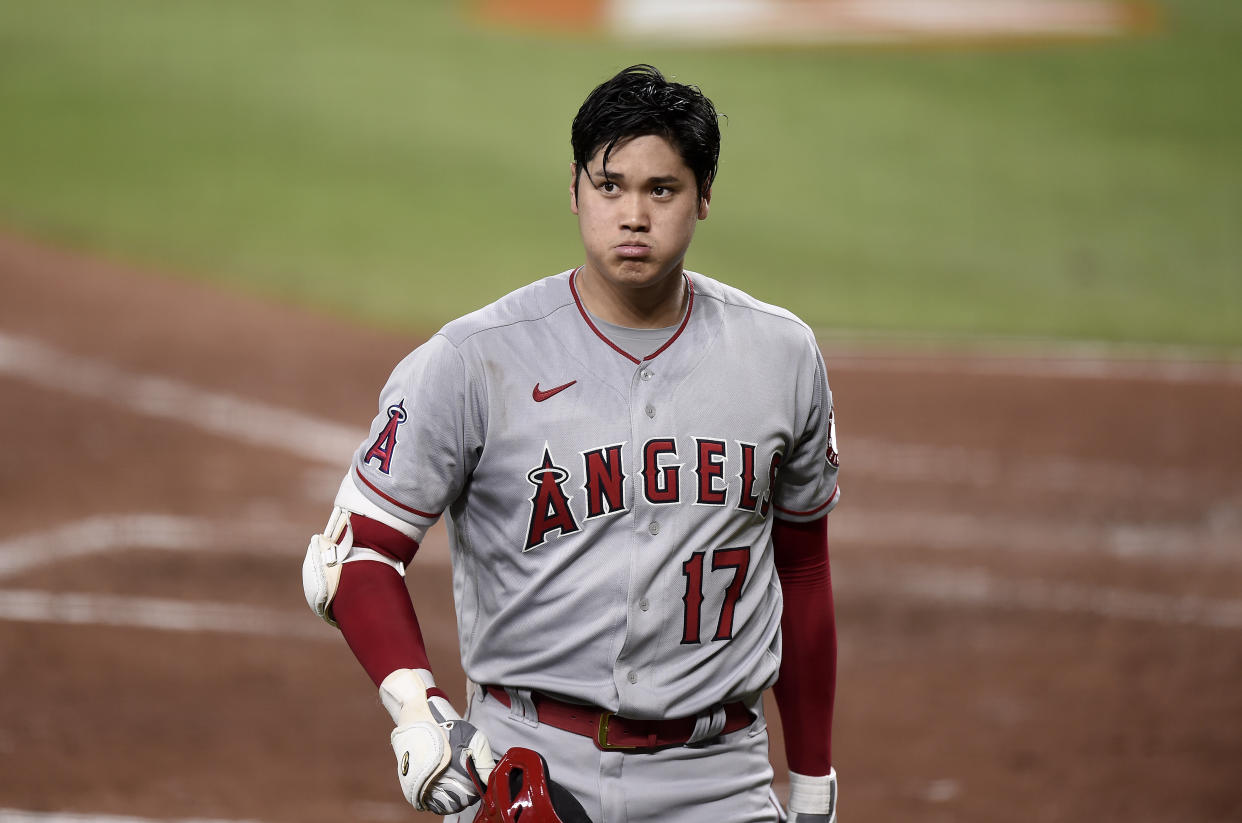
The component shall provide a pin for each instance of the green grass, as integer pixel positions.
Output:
(395, 163)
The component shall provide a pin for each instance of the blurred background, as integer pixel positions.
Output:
(1046, 181)
(1013, 225)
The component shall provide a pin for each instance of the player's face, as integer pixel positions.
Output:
(636, 224)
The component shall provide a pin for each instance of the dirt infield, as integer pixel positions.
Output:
(1037, 563)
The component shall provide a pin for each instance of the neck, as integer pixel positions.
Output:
(652, 307)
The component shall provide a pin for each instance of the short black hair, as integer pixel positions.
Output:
(639, 101)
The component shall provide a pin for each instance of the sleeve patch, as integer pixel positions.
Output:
(834, 459)
(386, 443)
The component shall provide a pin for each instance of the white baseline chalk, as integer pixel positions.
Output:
(109, 532)
(976, 587)
(166, 532)
(159, 613)
(248, 421)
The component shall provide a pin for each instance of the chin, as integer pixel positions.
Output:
(639, 273)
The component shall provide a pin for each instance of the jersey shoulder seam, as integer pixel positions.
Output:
(499, 325)
(767, 309)
(516, 305)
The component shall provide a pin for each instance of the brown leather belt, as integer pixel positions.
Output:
(612, 732)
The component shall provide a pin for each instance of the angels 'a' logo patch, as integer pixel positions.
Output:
(834, 459)
(384, 446)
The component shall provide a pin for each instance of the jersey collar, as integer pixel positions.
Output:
(586, 317)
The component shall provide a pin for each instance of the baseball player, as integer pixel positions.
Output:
(635, 462)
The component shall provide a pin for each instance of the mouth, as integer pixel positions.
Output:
(632, 250)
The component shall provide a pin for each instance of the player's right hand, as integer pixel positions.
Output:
(431, 763)
(432, 745)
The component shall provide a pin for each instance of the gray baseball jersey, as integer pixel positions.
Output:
(610, 515)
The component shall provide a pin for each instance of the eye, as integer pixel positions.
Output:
(661, 191)
(608, 187)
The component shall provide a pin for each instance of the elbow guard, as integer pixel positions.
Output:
(321, 570)
(327, 552)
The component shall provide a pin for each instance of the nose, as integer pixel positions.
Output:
(634, 214)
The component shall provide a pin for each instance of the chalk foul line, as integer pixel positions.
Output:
(165, 532)
(1207, 543)
(247, 421)
(976, 587)
(105, 533)
(163, 614)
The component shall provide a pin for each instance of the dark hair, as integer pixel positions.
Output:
(638, 101)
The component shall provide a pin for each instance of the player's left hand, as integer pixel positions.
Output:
(813, 799)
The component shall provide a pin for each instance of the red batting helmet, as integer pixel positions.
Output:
(521, 791)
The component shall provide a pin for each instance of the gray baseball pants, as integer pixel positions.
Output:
(725, 779)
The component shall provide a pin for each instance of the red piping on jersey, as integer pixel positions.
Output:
(684, 321)
(818, 508)
(587, 317)
(397, 503)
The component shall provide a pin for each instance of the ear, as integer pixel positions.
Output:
(573, 187)
(705, 203)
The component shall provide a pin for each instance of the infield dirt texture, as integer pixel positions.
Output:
(1036, 565)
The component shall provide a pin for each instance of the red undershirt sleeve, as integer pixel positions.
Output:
(373, 607)
(806, 688)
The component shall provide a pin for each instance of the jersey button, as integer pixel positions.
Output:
(633, 677)
(643, 604)
(650, 410)
(654, 528)
(644, 374)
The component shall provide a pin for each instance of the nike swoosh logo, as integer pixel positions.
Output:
(541, 395)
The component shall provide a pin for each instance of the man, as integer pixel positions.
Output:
(636, 462)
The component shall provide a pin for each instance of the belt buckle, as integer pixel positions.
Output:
(601, 734)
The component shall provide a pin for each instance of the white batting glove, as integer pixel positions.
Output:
(813, 799)
(433, 745)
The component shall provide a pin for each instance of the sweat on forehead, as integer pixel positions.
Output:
(639, 101)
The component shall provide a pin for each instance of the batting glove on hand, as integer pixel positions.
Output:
(813, 799)
(433, 745)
